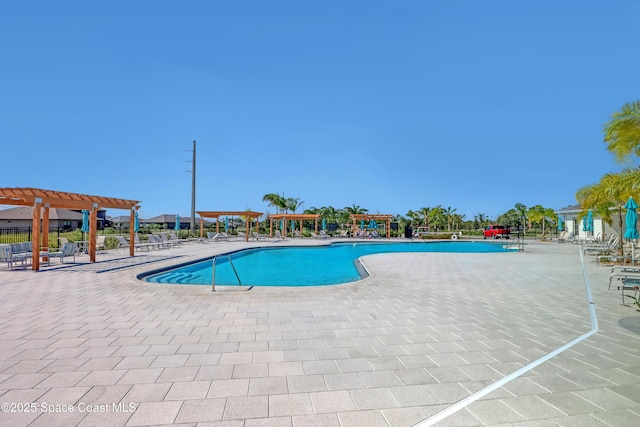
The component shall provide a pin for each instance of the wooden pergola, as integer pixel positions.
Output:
(43, 200)
(376, 217)
(293, 217)
(248, 215)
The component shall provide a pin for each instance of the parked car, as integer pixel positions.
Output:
(496, 231)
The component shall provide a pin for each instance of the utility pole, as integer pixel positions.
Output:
(193, 189)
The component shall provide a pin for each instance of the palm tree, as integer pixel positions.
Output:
(424, 213)
(414, 218)
(480, 220)
(437, 217)
(355, 210)
(613, 191)
(622, 132)
(292, 203)
(449, 214)
(275, 200)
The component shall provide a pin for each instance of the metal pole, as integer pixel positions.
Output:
(213, 274)
(193, 191)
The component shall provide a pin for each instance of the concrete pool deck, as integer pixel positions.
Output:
(90, 345)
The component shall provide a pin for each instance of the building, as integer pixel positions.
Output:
(58, 218)
(573, 224)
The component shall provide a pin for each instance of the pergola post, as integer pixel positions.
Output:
(132, 232)
(45, 230)
(270, 228)
(202, 227)
(93, 225)
(35, 246)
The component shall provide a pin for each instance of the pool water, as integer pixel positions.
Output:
(302, 266)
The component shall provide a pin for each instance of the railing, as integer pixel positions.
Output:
(25, 234)
(213, 272)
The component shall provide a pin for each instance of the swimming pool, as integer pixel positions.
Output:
(302, 266)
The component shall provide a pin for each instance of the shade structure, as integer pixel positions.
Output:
(177, 227)
(136, 222)
(85, 221)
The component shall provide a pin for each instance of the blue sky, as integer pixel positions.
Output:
(391, 106)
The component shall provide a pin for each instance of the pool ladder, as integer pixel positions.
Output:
(213, 272)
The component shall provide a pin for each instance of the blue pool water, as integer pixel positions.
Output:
(302, 266)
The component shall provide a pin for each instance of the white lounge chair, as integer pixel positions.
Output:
(68, 250)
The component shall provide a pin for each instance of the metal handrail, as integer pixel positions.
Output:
(213, 272)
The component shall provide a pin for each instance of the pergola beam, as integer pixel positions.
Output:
(41, 200)
(248, 215)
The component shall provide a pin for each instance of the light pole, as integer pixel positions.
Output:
(193, 189)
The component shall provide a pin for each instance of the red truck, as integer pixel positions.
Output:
(496, 231)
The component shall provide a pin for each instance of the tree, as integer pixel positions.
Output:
(480, 221)
(622, 132)
(437, 217)
(276, 200)
(424, 214)
(612, 191)
(292, 203)
(355, 210)
(449, 214)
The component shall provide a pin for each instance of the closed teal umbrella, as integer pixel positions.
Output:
(324, 223)
(631, 223)
(631, 220)
(590, 221)
(560, 223)
(136, 222)
(373, 224)
(584, 223)
(177, 227)
(85, 221)
(226, 223)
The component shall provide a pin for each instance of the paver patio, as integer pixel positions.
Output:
(424, 331)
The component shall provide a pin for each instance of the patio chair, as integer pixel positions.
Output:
(69, 249)
(122, 242)
(258, 236)
(154, 238)
(101, 243)
(277, 235)
(611, 244)
(137, 244)
(10, 258)
(630, 284)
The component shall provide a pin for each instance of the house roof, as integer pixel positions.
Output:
(26, 213)
(570, 209)
(164, 218)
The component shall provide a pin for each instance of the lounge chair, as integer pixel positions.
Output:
(277, 235)
(6, 255)
(630, 284)
(69, 249)
(258, 236)
(153, 238)
(122, 242)
(217, 237)
(610, 245)
(623, 272)
(319, 236)
(138, 244)
(101, 243)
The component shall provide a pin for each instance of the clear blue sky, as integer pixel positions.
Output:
(391, 106)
